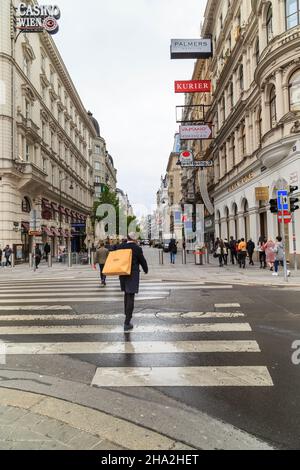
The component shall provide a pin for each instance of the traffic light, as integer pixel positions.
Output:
(274, 206)
(293, 200)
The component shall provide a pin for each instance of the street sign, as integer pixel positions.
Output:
(197, 132)
(193, 86)
(283, 200)
(198, 164)
(262, 193)
(287, 217)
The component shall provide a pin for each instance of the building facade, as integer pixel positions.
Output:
(46, 142)
(255, 110)
(105, 174)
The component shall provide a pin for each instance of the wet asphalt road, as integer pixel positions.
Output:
(269, 413)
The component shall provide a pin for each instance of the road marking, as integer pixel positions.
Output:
(103, 316)
(83, 299)
(124, 347)
(35, 307)
(227, 306)
(96, 289)
(101, 293)
(241, 376)
(111, 329)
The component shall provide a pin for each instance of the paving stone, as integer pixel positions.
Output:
(84, 441)
(53, 445)
(107, 445)
(12, 415)
(56, 429)
(23, 445)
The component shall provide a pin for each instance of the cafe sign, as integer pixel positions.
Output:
(38, 18)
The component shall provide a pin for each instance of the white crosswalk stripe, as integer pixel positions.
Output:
(162, 336)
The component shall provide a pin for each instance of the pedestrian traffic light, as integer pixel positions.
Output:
(293, 200)
(274, 206)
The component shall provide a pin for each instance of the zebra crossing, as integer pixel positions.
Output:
(165, 349)
(20, 293)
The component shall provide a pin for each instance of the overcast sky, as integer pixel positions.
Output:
(118, 55)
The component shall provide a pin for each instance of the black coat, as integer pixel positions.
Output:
(130, 284)
(250, 247)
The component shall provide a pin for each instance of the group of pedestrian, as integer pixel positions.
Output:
(270, 253)
(5, 256)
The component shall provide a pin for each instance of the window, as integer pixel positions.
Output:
(230, 95)
(97, 179)
(27, 155)
(243, 132)
(260, 126)
(43, 60)
(269, 24)
(292, 13)
(27, 109)
(294, 90)
(97, 149)
(273, 114)
(241, 77)
(26, 66)
(44, 165)
(26, 207)
(97, 166)
(223, 110)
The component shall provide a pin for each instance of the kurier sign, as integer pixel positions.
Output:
(191, 48)
(197, 132)
(193, 86)
(38, 18)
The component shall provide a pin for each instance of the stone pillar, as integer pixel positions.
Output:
(232, 227)
(279, 95)
(241, 225)
(265, 109)
(249, 134)
(254, 224)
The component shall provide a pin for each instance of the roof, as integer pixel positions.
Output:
(95, 123)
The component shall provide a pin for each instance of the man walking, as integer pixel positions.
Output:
(100, 258)
(7, 254)
(232, 247)
(173, 251)
(250, 250)
(37, 257)
(47, 250)
(242, 253)
(130, 284)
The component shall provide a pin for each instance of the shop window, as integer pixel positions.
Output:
(294, 91)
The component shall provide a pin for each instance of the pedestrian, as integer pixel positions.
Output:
(173, 250)
(37, 257)
(7, 254)
(250, 250)
(242, 250)
(130, 284)
(278, 251)
(1, 257)
(233, 251)
(226, 251)
(47, 250)
(261, 251)
(270, 255)
(220, 251)
(100, 259)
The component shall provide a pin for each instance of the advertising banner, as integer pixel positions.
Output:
(197, 132)
(193, 86)
(200, 48)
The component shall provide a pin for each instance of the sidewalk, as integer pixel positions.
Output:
(36, 422)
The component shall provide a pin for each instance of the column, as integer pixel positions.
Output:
(265, 111)
(235, 91)
(249, 134)
(232, 226)
(237, 146)
(254, 224)
(241, 225)
(278, 17)
(245, 67)
(279, 95)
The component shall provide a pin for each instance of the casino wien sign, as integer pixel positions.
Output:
(38, 18)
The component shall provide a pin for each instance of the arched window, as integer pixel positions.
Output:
(269, 24)
(273, 113)
(26, 207)
(292, 13)
(294, 89)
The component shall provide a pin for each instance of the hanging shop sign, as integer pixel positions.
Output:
(193, 86)
(197, 132)
(186, 158)
(191, 48)
(262, 193)
(38, 18)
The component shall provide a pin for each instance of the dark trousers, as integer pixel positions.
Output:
(37, 261)
(8, 263)
(102, 276)
(262, 259)
(251, 258)
(242, 259)
(128, 307)
(233, 256)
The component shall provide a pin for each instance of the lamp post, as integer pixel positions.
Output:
(60, 202)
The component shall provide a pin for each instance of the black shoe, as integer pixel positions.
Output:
(128, 327)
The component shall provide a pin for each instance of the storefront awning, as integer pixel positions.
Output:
(47, 231)
(25, 226)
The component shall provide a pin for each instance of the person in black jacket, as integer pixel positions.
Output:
(250, 249)
(130, 284)
(173, 251)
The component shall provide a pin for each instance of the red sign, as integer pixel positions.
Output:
(193, 86)
(287, 217)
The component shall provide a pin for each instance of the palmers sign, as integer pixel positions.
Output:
(193, 86)
(191, 48)
(38, 18)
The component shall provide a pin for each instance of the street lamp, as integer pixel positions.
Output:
(60, 202)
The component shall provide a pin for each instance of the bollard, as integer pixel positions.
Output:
(92, 258)
(161, 257)
(70, 260)
(207, 256)
(30, 261)
(12, 260)
(183, 256)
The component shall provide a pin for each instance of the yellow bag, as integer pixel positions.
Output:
(118, 263)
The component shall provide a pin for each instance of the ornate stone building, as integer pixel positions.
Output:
(255, 109)
(46, 140)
